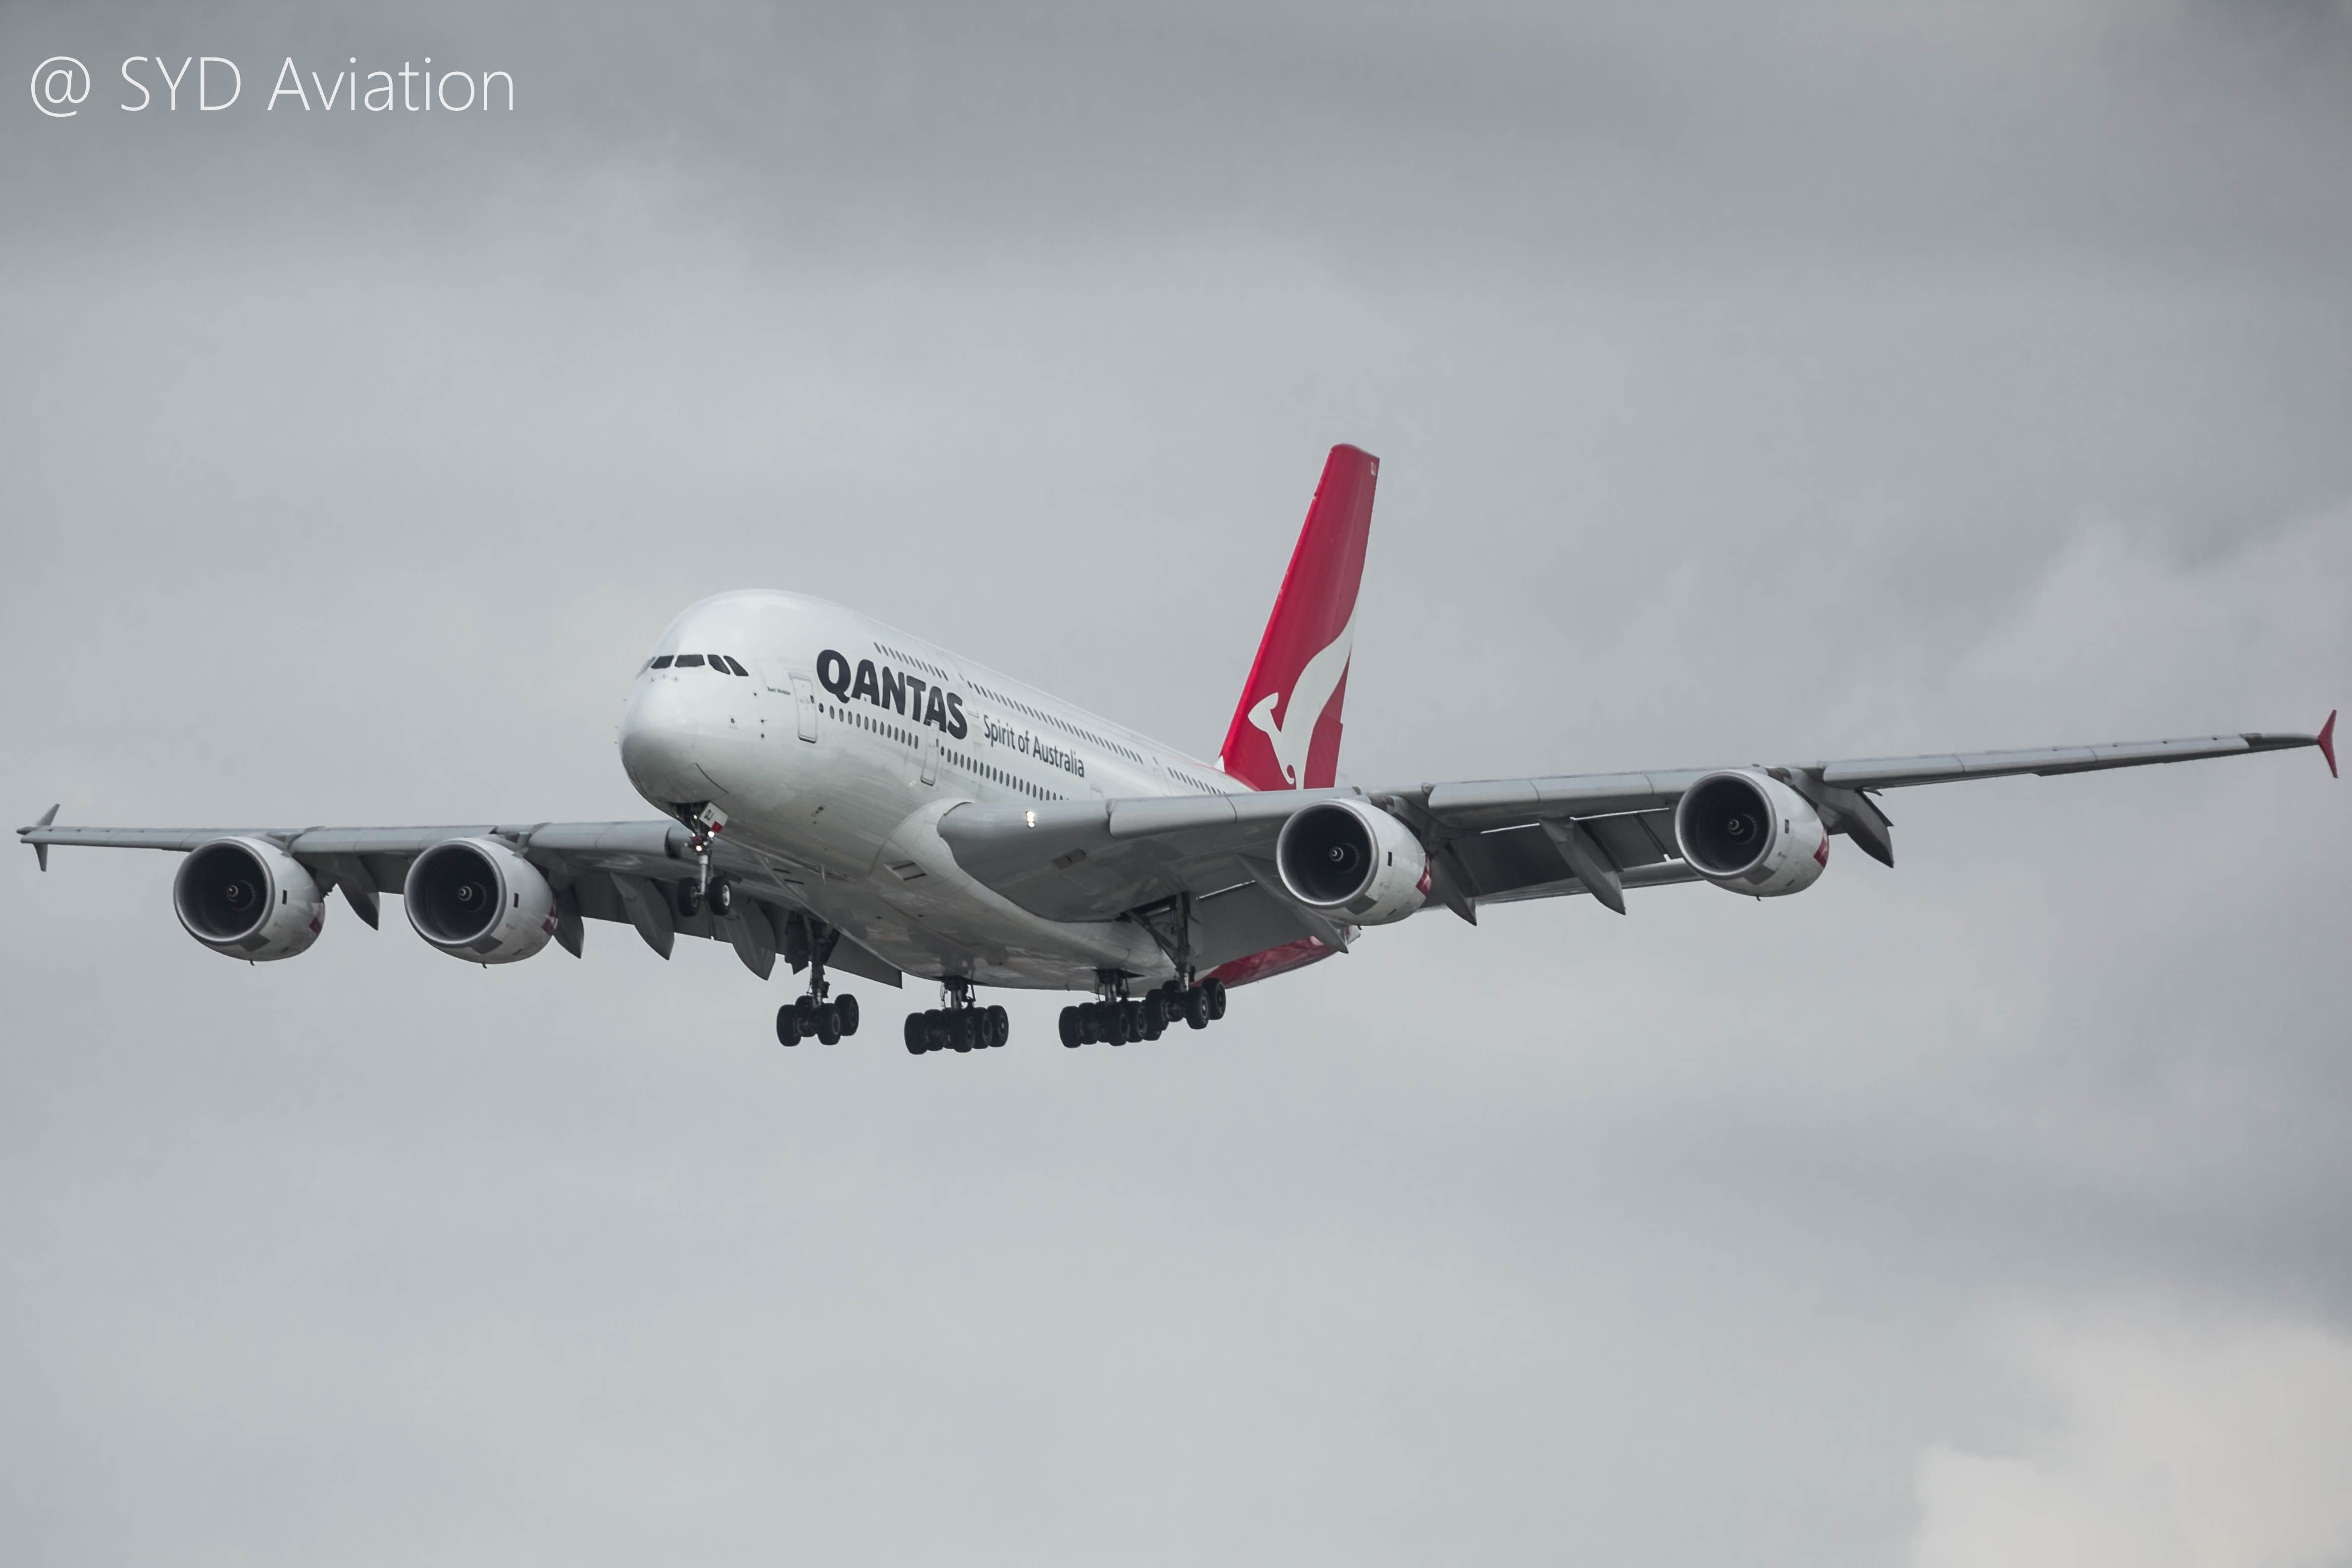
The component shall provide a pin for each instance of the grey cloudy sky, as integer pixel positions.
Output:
(1751, 382)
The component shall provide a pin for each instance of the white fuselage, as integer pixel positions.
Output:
(836, 755)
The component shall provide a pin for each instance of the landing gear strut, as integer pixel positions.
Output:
(831, 1018)
(703, 823)
(962, 1025)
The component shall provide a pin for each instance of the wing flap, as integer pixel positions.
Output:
(1634, 839)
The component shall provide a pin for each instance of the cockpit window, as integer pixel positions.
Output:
(689, 661)
(662, 662)
(732, 665)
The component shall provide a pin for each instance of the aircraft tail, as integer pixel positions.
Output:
(1286, 733)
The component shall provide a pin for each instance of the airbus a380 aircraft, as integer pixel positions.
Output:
(860, 800)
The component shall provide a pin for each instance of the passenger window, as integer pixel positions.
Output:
(689, 661)
(663, 663)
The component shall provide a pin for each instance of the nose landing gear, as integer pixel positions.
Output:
(703, 823)
(714, 891)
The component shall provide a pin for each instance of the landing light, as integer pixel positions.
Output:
(1033, 818)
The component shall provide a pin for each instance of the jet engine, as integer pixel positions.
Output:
(1354, 860)
(478, 900)
(1751, 833)
(250, 899)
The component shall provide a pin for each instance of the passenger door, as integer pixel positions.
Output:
(805, 705)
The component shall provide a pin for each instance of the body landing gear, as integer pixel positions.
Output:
(963, 1025)
(830, 1019)
(1119, 1019)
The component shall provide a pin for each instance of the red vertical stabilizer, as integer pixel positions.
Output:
(1286, 733)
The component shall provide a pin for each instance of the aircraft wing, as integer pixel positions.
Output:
(1489, 841)
(621, 871)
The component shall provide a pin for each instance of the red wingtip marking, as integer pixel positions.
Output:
(2327, 744)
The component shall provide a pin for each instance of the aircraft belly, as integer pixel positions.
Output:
(967, 929)
(850, 810)
(897, 890)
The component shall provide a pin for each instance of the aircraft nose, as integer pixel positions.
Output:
(659, 743)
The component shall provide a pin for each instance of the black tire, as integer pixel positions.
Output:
(999, 1027)
(1090, 1023)
(1155, 1014)
(1153, 1026)
(828, 1026)
(788, 1025)
(935, 1029)
(807, 1008)
(1071, 1035)
(722, 899)
(918, 1036)
(1214, 990)
(1196, 1008)
(959, 1030)
(689, 900)
(1111, 1019)
(847, 1008)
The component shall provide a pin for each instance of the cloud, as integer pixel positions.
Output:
(2212, 1446)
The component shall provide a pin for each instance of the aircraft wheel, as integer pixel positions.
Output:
(847, 1008)
(1155, 1014)
(788, 1024)
(828, 1026)
(722, 898)
(918, 1036)
(1196, 1008)
(689, 900)
(1071, 1035)
(1214, 990)
(999, 1027)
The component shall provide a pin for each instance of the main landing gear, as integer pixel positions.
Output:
(963, 1025)
(1119, 1019)
(831, 1018)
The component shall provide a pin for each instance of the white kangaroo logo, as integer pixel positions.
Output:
(1312, 694)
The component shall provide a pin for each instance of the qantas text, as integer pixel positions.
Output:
(927, 701)
(909, 694)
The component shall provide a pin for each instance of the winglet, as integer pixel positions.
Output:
(41, 851)
(2326, 744)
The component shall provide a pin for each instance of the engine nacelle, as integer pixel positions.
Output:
(478, 900)
(1751, 833)
(250, 899)
(1354, 860)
